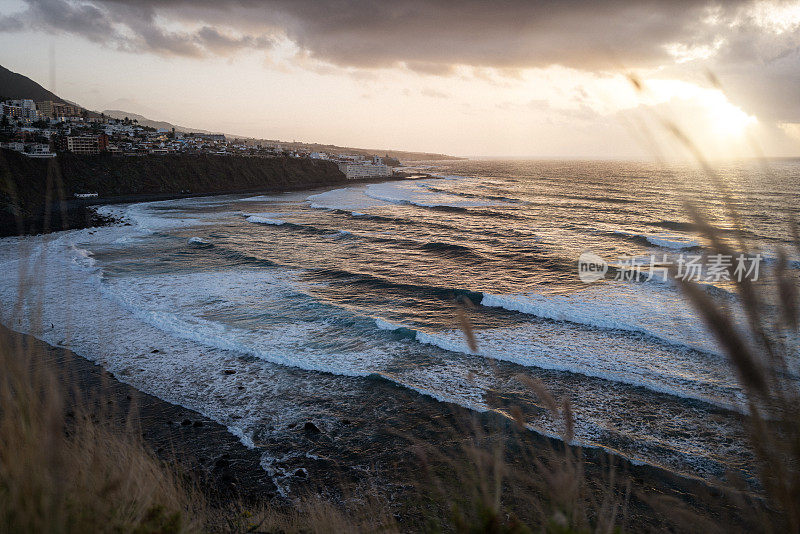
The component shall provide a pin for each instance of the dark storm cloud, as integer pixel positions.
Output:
(86, 20)
(432, 37)
(427, 36)
(130, 26)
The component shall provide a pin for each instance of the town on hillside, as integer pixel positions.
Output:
(43, 129)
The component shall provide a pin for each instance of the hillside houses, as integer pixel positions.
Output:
(42, 129)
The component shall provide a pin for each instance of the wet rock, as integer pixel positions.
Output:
(197, 424)
(346, 421)
(186, 422)
(154, 351)
(291, 425)
(311, 428)
(229, 371)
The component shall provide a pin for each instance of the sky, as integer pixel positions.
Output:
(512, 78)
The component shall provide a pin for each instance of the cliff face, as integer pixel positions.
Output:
(36, 195)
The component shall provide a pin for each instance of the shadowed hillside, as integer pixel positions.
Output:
(39, 194)
(13, 85)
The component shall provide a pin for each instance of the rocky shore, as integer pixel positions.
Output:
(39, 195)
(389, 458)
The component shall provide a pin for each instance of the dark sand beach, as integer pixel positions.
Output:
(403, 458)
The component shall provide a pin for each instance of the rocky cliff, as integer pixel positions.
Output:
(38, 195)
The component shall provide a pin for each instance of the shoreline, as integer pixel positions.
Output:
(38, 196)
(219, 462)
(93, 220)
(155, 197)
(224, 468)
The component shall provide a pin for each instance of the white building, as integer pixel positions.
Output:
(24, 110)
(17, 147)
(364, 170)
(39, 150)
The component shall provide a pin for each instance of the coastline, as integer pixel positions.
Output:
(39, 196)
(79, 213)
(223, 468)
(217, 460)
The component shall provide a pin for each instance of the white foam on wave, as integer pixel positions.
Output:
(350, 199)
(657, 311)
(198, 241)
(623, 362)
(666, 240)
(417, 194)
(161, 216)
(179, 304)
(386, 325)
(260, 219)
(261, 198)
(672, 241)
(82, 258)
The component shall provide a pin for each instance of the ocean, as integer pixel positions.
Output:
(267, 311)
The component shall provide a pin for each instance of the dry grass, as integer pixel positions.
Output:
(764, 355)
(64, 470)
(510, 483)
(764, 351)
(68, 466)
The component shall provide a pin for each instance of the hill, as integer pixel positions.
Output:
(144, 121)
(17, 86)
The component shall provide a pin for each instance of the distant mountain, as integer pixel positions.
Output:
(17, 86)
(402, 155)
(144, 121)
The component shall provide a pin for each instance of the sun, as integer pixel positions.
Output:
(724, 118)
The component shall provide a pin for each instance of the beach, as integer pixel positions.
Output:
(307, 342)
(435, 442)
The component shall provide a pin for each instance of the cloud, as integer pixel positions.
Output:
(753, 46)
(426, 36)
(130, 26)
(222, 44)
(433, 93)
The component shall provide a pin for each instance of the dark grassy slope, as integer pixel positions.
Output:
(38, 195)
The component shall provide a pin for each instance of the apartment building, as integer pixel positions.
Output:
(55, 110)
(87, 144)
